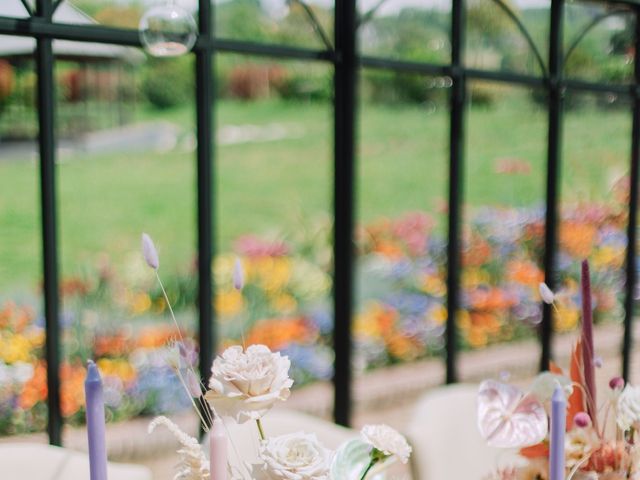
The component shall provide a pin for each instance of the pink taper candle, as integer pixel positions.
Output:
(218, 450)
(558, 427)
(95, 423)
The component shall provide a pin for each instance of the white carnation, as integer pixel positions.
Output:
(628, 407)
(296, 456)
(387, 440)
(246, 384)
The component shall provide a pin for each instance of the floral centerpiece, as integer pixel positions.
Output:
(599, 441)
(245, 383)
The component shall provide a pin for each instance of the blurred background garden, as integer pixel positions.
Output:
(126, 164)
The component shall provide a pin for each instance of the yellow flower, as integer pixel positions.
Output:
(433, 285)
(284, 303)
(15, 348)
(438, 314)
(229, 302)
(472, 277)
(565, 319)
(140, 303)
(608, 257)
(272, 273)
(118, 368)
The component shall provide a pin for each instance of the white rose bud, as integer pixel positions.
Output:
(246, 384)
(628, 407)
(296, 456)
(386, 440)
(547, 295)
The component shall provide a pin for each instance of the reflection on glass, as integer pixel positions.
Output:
(114, 14)
(594, 206)
(274, 198)
(405, 29)
(301, 23)
(503, 230)
(22, 372)
(402, 171)
(494, 41)
(598, 42)
(125, 165)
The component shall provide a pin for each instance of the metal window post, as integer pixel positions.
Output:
(47, 149)
(456, 164)
(343, 203)
(555, 101)
(632, 222)
(205, 152)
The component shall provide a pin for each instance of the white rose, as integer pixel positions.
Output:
(296, 456)
(246, 384)
(628, 407)
(387, 440)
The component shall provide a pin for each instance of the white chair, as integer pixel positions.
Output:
(444, 434)
(22, 461)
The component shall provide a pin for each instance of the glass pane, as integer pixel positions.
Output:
(595, 189)
(274, 182)
(106, 12)
(503, 230)
(494, 41)
(22, 371)
(295, 23)
(12, 8)
(114, 118)
(400, 310)
(405, 30)
(598, 42)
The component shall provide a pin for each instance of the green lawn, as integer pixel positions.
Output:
(105, 201)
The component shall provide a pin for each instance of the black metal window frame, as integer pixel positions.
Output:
(346, 61)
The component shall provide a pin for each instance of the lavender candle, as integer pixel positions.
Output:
(558, 427)
(95, 423)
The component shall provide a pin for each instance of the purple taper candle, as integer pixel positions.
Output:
(587, 344)
(95, 423)
(558, 427)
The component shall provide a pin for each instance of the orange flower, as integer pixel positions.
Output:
(525, 272)
(113, 345)
(609, 457)
(278, 333)
(577, 238)
(154, 337)
(490, 299)
(71, 388)
(388, 249)
(477, 252)
(35, 390)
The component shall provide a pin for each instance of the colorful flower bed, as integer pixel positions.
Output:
(400, 311)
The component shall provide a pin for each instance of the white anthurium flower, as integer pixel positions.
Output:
(245, 384)
(628, 407)
(387, 440)
(545, 383)
(295, 456)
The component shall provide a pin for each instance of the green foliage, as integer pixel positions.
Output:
(168, 83)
